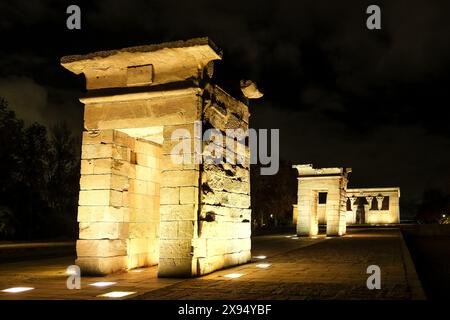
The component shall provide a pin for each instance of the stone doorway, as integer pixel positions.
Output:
(360, 212)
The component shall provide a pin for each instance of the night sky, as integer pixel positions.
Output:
(341, 95)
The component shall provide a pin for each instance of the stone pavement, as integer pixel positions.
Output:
(300, 268)
(330, 269)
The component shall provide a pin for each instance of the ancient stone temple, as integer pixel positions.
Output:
(138, 207)
(373, 206)
(323, 199)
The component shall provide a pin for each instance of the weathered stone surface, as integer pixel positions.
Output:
(170, 195)
(103, 230)
(179, 248)
(103, 182)
(186, 130)
(141, 230)
(209, 264)
(228, 170)
(182, 146)
(180, 178)
(188, 195)
(224, 229)
(138, 186)
(225, 183)
(147, 148)
(178, 212)
(173, 163)
(101, 248)
(143, 201)
(93, 151)
(97, 137)
(143, 112)
(144, 215)
(177, 267)
(184, 229)
(140, 245)
(100, 198)
(153, 188)
(101, 265)
(105, 166)
(227, 199)
(148, 160)
(103, 214)
(234, 106)
(216, 247)
(141, 260)
(221, 214)
(169, 229)
(150, 174)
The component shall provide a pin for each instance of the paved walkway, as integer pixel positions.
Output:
(300, 268)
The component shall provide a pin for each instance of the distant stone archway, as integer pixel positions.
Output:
(321, 196)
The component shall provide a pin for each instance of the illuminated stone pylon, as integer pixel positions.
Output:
(311, 182)
(137, 207)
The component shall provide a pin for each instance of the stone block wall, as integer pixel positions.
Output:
(103, 218)
(143, 203)
(224, 220)
(118, 211)
(179, 204)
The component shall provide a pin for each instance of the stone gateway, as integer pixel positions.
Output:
(136, 207)
(323, 199)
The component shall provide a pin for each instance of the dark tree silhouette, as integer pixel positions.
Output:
(35, 167)
(10, 169)
(39, 179)
(273, 196)
(435, 205)
(64, 174)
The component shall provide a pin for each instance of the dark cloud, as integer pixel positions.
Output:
(36, 103)
(28, 99)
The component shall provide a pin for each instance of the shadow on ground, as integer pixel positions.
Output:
(431, 256)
